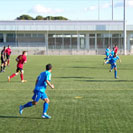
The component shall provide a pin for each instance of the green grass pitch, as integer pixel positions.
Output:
(86, 98)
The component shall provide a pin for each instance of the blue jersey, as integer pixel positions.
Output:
(113, 60)
(112, 53)
(107, 51)
(41, 81)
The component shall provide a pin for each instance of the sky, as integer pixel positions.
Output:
(71, 9)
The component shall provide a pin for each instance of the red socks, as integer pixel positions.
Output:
(13, 75)
(22, 76)
(8, 62)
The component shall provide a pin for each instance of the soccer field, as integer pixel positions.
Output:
(86, 98)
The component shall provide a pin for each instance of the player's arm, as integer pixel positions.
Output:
(2, 55)
(107, 60)
(25, 62)
(17, 59)
(119, 60)
(50, 85)
(36, 82)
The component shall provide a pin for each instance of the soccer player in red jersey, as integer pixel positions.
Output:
(21, 59)
(8, 53)
(3, 59)
(115, 49)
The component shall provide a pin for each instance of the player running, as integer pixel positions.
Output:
(115, 49)
(112, 53)
(107, 52)
(3, 59)
(112, 62)
(39, 92)
(21, 59)
(8, 53)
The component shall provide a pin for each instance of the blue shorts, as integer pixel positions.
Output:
(113, 66)
(37, 95)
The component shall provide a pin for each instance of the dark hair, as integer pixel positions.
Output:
(48, 67)
(115, 54)
(24, 52)
(4, 47)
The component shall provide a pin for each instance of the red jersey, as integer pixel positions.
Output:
(8, 51)
(21, 60)
(116, 49)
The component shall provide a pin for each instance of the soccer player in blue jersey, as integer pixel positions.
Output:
(107, 52)
(39, 92)
(112, 53)
(112, 62)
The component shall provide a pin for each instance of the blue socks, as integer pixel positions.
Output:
(45, 107)
(115, 74)
(29, 104)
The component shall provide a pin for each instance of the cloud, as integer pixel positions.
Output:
(130, 3)
(40, 9)
(90, 8)
(106, 5)
(118, 4)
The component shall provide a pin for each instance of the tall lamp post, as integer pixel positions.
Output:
(112, 10)
(124, 28)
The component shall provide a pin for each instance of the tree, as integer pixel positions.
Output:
(39, 18)
(25, 17)
(55, 18)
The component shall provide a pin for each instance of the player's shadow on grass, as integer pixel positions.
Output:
(14, 82)
(75, 77)
(87, 67)
(18, 117)
(106, 80)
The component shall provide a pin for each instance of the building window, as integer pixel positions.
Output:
(82, 41)
(74, 41)
(67, 41)
(30, 39)
(92, 41)
(11, 37)
(59, 41)
(117, 39)
(1, 37)
(131, 41)
(51, 41)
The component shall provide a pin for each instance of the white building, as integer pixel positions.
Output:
(64, 37)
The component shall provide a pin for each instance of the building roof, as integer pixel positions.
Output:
(63, 25)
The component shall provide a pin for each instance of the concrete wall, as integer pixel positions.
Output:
(43, 51)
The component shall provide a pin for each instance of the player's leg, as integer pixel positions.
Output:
(22, 76)
(13, 75)
(1, 67)
(111, 67)
(115, 72)
(2, 64)
(8, 62)
(8, 59)
(45, 106)
(36, 97)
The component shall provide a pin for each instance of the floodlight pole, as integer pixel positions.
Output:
(98, 9)
(124, 27)
(112, 10)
